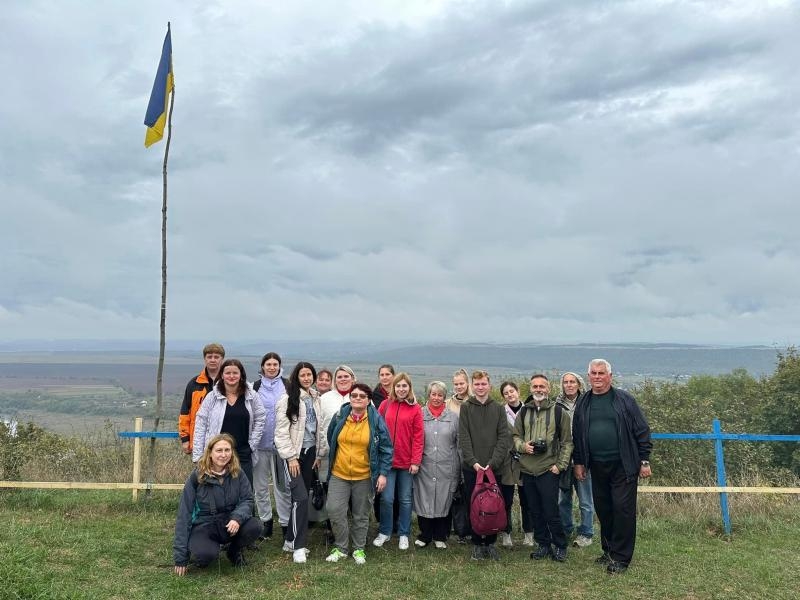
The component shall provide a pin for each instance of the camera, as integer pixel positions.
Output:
(514, 455)
(539, 446)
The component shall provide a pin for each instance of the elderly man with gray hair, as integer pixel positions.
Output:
(612, 439)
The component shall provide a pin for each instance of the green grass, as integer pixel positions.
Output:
(66, 544)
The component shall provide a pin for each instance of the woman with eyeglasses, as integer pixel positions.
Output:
(360, 460)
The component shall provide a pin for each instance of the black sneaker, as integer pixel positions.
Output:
(559, 554)
(603, 560)
(615, 568)
(491, 552)
(540, 552)
(477, 553)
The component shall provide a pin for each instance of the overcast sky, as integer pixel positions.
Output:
(405, 170)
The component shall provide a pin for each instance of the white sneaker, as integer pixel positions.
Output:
(335, 555)
(582, 541)
(420, 543)
(440, 545)
(505, 540)
(288, 546)
(528, 541)
(403, 542)
(360, 557)
(382, 539)
(299, 555)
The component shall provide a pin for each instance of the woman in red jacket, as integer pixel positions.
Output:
(404, 421)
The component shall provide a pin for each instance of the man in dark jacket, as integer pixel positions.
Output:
(484, 441)
(612, 439)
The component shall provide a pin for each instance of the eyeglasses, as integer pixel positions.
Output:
(358, 396)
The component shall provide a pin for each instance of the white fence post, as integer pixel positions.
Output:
(137, 458)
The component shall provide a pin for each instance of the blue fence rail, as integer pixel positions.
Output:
(717, 435)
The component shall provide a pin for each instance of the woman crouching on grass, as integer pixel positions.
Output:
(298, 440)
(216, 508)
(360, 458)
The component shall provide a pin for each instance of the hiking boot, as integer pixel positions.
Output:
(299, 555)
(528, 541)
(582, 541)
(505, 540)
(491, 552)
(360, 557)
(266, 532)
(615, 568)
(381, 539)
(604, 559)
(335, 555)
(440, 545)
(541, 552)
(478, 553)
(236, 557)
(403, 545)
(559, 554)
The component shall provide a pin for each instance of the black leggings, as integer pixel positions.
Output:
(206, 538)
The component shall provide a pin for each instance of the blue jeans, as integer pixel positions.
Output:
(398, 481)
(585, 503)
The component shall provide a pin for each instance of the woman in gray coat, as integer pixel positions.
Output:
(440, 471)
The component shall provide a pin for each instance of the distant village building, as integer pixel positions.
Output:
(10, 425)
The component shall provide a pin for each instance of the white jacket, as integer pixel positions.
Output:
(289, 435)
(208, 421)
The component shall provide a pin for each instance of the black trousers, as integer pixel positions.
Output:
(470, 477)
(206, 538)
(615, 504)
(297, 528)
(246, 463)
(541, 493)
(508, 497)
(433, 528)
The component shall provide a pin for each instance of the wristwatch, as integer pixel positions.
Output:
(645, 463)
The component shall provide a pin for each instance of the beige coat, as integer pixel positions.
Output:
(289, 435)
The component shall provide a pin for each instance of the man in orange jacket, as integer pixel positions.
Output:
(196, 390)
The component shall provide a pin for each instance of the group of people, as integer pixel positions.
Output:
(381, 449)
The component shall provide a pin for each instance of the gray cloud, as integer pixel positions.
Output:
(523, 171)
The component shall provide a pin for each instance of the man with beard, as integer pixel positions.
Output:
(543, 439)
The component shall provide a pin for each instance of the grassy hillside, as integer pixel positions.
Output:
(101, 545)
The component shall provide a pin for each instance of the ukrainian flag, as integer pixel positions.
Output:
(156, 117)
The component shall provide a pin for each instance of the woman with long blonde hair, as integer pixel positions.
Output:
(403, 417)
(216, 508)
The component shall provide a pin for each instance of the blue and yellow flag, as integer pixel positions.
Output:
(156, 117)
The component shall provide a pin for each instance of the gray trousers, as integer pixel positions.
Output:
(341, 495)
(265, 471)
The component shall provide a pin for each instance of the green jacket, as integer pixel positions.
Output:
(531, 424)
